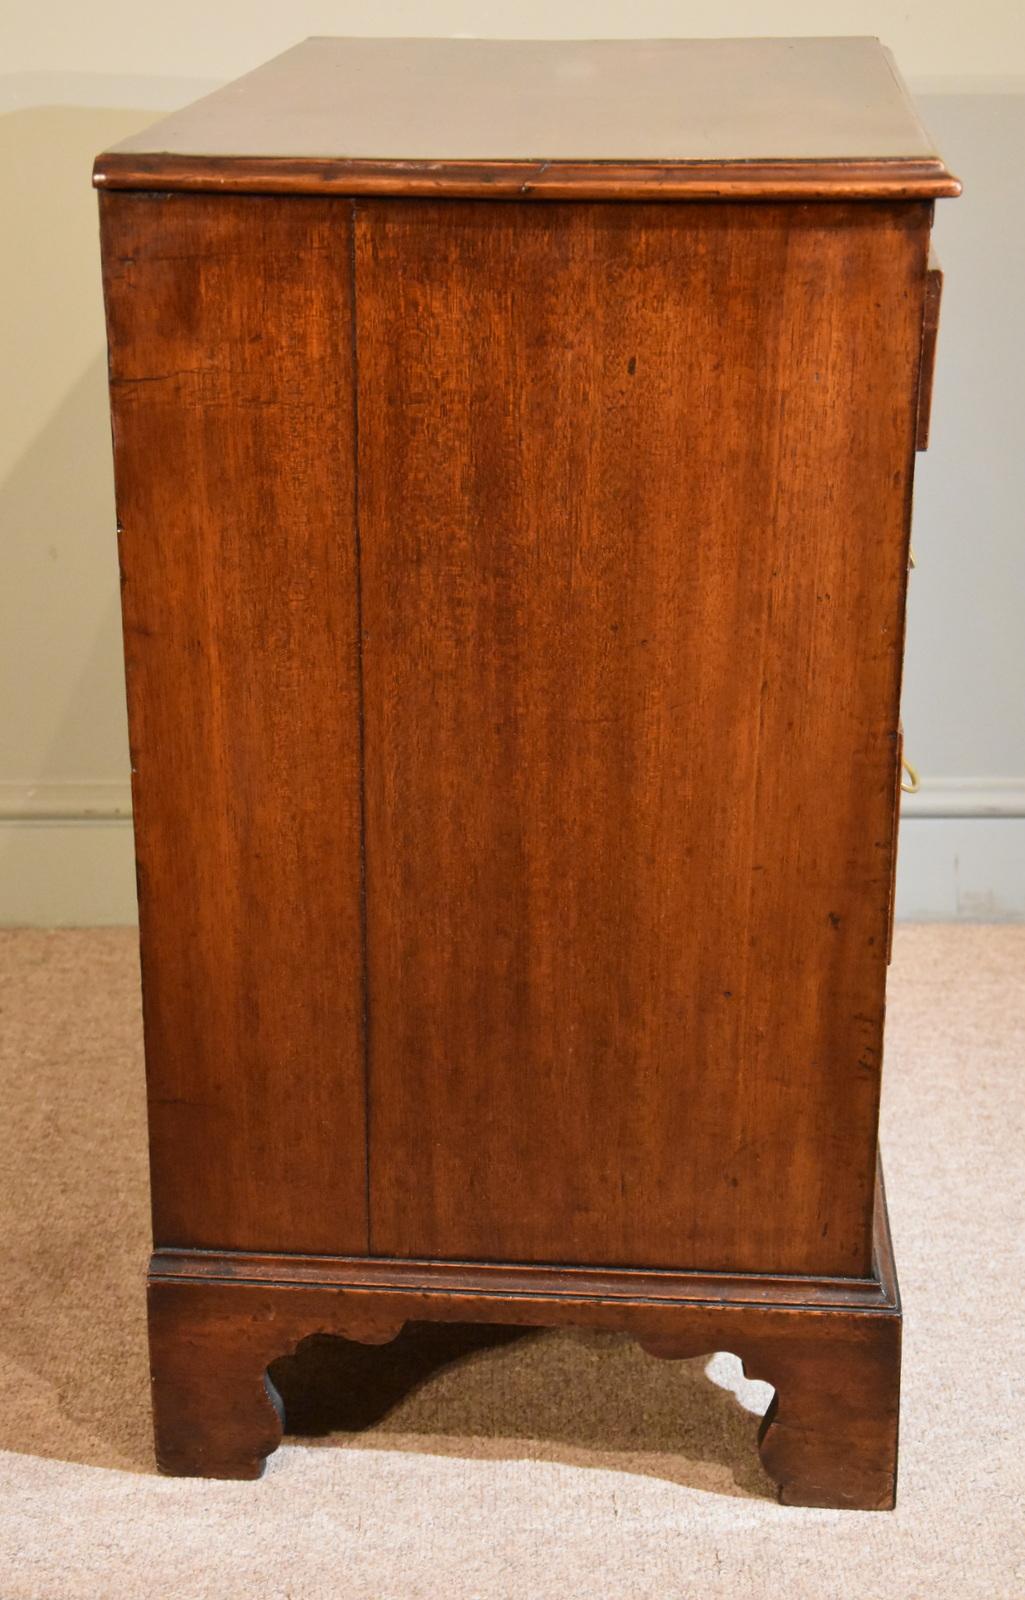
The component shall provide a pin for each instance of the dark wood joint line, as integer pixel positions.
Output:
(930, 331)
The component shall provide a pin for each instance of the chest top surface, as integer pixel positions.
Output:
(667, 118)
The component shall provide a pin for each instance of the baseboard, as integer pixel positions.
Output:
(88, 800)
(66, 874)
(66, 853)
(961, 869)
(965, 797)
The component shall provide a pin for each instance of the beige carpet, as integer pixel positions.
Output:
(551, 1465)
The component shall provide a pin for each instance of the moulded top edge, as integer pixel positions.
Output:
(674, 118)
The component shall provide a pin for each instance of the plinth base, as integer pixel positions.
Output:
(830, 1347)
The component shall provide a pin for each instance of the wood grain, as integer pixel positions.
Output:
(829, 1437)
(632, 650)
(514, 605)
(625, 118)
(229, 324)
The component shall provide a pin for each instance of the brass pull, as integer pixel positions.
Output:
(911, 787)
(912, 563)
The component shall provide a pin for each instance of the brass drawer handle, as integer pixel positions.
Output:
(911, 771)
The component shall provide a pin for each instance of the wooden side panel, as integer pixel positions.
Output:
(633, 499)
(232, 386)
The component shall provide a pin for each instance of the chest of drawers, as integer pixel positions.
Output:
(514, 448)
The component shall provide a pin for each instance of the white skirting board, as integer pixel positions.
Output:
(962, 851)
(961, 869)
(66, 873)
(66, 854)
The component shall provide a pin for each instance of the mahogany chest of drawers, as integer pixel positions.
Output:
(514, 448)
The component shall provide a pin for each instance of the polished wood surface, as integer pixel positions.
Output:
(514, 611)
(604, 835)
(229, 324)
(535, 180)
(551, 118)
(491, 1280)
(829, 1437)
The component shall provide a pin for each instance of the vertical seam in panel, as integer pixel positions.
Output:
(360, 716)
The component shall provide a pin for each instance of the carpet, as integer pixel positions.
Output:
(459, 1464)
